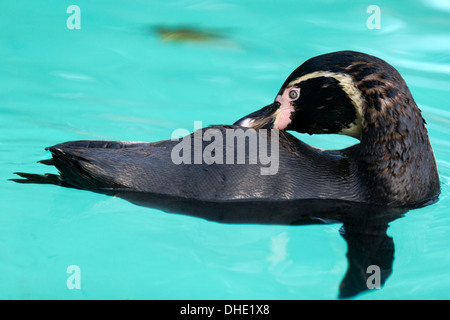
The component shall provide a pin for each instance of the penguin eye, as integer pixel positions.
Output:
(293, 94)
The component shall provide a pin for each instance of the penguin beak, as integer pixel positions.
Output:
(264, 118)
(274, 116)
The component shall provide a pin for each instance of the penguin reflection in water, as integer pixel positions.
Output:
(391, 170)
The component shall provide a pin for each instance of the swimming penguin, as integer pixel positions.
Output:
(344, 92)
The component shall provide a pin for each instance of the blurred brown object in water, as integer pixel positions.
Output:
(195, 35)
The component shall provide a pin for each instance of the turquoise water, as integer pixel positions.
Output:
(116, 79)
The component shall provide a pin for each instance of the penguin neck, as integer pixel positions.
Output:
(394, 155)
